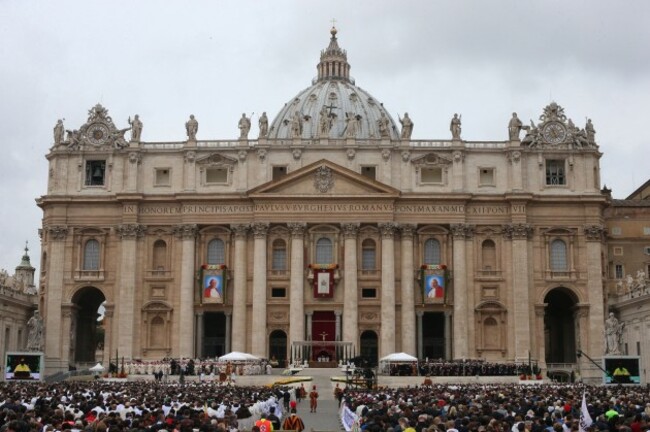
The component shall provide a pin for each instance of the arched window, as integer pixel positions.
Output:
(558, 255)
(91, 255)
(159, 255)
(279, 259)
(489, 255)
(324, 251)
(157, 332)
(216, 252)
(368, 255)
(432, 252)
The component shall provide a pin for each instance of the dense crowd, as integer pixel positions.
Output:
(473, 367)
(499, 408)
(206, 367)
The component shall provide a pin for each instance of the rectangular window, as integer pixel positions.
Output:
(618, 250)
(555, 175)
(95, 172)
(431, 175)
(369, 171)
(279, 172)
(368, 293)
(646, 250)
(216, 175)
(616, 231)
(618, 271)
(278, 292)
(162, 177)
(486, 177)
(646, 230)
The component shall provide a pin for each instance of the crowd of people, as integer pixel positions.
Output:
(473, 368)
(498, 408)
(205, 367)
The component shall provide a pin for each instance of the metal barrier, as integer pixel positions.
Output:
(62, 376)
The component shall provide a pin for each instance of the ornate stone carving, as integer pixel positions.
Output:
(244, 126)
(242, 155)
(555, 130)
(278, 316)
(260, 229)
(388, 229)
(385, 155)
(351, 153)
(431, 160)
(407, 230)
(99, 131)
(595, 232)
(35, 333)
(297, 154)
(406, 155)
(514, 157)
(57, 232)
(323, 179)
(135, 157)
(261, 154)
(128, 231)
(350, 229)
(240, 230)
(459, 156)
(297, 229)
(462, 230)
(190, 156)
(185, 231)
(217, 160)
(517, 231)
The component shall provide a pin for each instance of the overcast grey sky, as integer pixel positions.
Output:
(216, 59)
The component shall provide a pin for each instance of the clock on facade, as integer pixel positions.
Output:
(554, 132)
(97, 134)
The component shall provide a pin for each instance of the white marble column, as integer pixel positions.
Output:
(595, 235)
(259, 338)
(297, 288)
(187, 234)
(519, 235)
(56, 236)
(199, 334)
(240, 287)
(128, 234)
(350, 288)
(387, 345)
(408, 333)
(461, 337)
(108, 334)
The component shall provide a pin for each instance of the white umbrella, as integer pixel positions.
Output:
(97, 368)
(399, 357)
(238, 356)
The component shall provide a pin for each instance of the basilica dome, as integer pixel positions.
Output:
(333, 106)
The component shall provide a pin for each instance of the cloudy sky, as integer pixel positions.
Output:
(216, 59)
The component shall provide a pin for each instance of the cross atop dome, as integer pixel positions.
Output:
(333, 63)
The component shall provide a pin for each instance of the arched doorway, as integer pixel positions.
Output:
(86, 325)
(369, 347)
(278, 347)
(559, 326)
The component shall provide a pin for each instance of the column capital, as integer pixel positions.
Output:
(186, 231)
(518, 231)
(240, 230)
(407, 230)
(57, 232)
(419, 313)
(350, 229)
(130, 231)
(297, 229)
(338, 313)
(581, 310)
(260, 229)
(388, 229)
(461, 231)
(595, 232)
(540, 309)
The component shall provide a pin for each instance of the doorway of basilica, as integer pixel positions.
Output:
(214, 334)
(559, 326)
(323, 330)
(369, 347)
(278, 347)
(86, 328)
(433, 335)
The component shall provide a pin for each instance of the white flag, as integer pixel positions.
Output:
(585, 418)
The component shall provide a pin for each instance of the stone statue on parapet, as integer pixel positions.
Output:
(136, 128)
(324, 122)
(454, 126)
(407, 126)
(264, 125)
(244, 126)
(191, 127)
(35, 333)
(591, 132)
(514, 127)
(73, 139)
(117, 137)
(59, 132)
(296, 125)
(384, 126)
(351, 124)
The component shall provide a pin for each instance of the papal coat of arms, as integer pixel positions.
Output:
(323, 179)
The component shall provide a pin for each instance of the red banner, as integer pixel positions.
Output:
(323, 283)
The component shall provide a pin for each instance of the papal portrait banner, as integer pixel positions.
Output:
(323, 279)
(434, 283)
(213, 278)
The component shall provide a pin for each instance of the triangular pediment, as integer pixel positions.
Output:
(324, 178)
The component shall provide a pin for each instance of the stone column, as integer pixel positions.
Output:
(297, 288)
(408, 294)
(135, 159)
(258, 332)
(460, 233)
(199, 334)
(228, 331)
(56, 236)
(540, 352)
(387, 288)
(594, 236)
(68, 313)
(187, 234)
(307, 352)
(350, 288)
(108, 334)
(128, 233)
(419, 315)
(240, 288)
(337, 335)
(519, 234)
